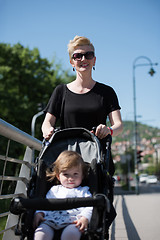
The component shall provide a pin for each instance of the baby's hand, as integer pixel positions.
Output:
(38, 218)
(81, 224)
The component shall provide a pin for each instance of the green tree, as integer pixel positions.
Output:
(26, 80)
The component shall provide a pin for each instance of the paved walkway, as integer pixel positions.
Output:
(118, 229)
(137, 215)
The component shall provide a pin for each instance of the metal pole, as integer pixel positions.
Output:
(33, 130)
(9, 131)
(34, 121)
(135, 130)
(135, 114)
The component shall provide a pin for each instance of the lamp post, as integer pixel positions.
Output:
(151, 72)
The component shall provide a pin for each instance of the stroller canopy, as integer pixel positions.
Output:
(76, 139)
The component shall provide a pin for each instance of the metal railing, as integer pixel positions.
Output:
(12, 133)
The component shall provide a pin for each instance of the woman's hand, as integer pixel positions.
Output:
(102, 131)
(81, 224)
(38, 218)
(48, 126)
(116, 123)
(48, 133)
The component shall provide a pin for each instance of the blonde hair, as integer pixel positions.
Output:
(76, 42)
(66, 159)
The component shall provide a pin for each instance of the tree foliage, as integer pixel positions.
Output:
(143, 131)
(26, 80)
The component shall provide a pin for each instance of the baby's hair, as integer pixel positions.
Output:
(66, 160)
(78, 41)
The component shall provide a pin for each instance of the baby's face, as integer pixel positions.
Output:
(71, 178)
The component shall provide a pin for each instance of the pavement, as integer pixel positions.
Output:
(137, 216)
(122, 228)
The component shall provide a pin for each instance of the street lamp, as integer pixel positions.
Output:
(151, 72)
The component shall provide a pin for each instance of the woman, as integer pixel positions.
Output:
(87, 102)
(84, 102)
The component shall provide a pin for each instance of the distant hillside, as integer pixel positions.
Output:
(143, 131)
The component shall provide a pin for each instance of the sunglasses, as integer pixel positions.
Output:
(88, 55)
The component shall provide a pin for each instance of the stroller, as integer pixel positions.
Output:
(99, 181)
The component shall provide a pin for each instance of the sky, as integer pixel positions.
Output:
(124, 32)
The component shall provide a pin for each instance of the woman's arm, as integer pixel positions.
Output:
(116, 124)
(48, 125)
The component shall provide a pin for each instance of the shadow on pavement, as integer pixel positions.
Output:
(130, 228)
(113, 224)
(131, 231)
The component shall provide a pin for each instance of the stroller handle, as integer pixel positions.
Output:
(20, 204)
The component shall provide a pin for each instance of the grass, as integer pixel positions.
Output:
(2, 225)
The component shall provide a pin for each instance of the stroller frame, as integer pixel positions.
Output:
(99, 181)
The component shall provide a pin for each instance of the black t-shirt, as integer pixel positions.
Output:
(83, 110)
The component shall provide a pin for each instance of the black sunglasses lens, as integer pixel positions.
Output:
(77, 56)
(89, 55)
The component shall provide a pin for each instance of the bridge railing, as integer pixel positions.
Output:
(11, 133)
